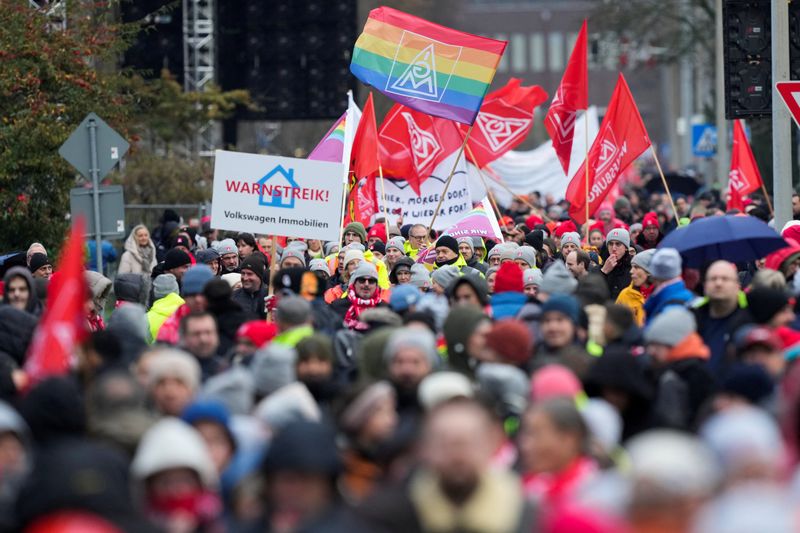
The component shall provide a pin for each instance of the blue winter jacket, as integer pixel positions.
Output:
(507, 304)
(675, 293)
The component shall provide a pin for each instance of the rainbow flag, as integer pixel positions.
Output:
(425, 66)
(331, 147)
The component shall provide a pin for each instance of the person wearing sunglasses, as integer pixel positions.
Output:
(362, 294)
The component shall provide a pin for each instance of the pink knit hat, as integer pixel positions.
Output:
(554, 381)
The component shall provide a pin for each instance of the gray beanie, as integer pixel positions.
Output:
(643, 259)
(420, 339)
(665, 264)
(619, 235)
(355, 246)
(330, 247)
(318, 264)
(527, 254)
(445, 275)
(558, 280)
(532, 276)
(226, 246)
(636, 227)
(420, 277)
(397, 243)
(234, 388)
(164, 284)
(364, 270)
(477, 242)
(293, 252)
(272, 368)
(467, 241)
(670, 327)
(298, 245)
(571, 237)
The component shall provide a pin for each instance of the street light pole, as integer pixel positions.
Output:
(781, 124)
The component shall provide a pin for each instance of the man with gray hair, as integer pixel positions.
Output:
(294, 318)
(410, 355)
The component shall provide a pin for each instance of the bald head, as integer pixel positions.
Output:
(722, 282)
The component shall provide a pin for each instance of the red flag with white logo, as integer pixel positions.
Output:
(63, 324)
(744, 175)
(412, 144)
(572, 96)
(735, 200)
(361, 200)
(505, 119)
(621, 139)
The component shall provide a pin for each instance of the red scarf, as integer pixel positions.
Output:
(203, 507)
(647, 290)
(357, 306)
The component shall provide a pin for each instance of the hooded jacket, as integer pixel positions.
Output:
(633, 299)
(668, 295)
(162, 309)
(131, 260)
(34, 306)
(131, 287)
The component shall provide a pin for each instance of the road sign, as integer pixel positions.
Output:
(704, 140)
(112, 210)
(790, 93)
(110, 147)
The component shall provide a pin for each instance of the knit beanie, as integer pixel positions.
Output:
(377, 231)
(527, 254)
(330, 248)
(650, 219)
(355, 246)
(350, 255)
(665, 264)
(164, 284)
(448, 242)
(207, 255)
(227, 246)
(564, 304)
(765, 302)
(571, 237)
(378, 247)
(258, 332)
(364, 270)
(293, 252)
(396, 242)
(256, 264)
(532, 276)
(298, 245)
(420, 277)
(403, 297)
(445, 275)
(750, 381)
(508, 279)
(554, 381)
(357, 228)
(643, 259)
(670, 327)
(468, 242)
(511, 340)
(318, 265)
(176, 258)
(635, 227)
(195, 279)
(477, 243)
(37, 261)
(619, 235)
(535, 239)
(558, 280)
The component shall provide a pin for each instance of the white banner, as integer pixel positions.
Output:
(274, 195)
(420, 209)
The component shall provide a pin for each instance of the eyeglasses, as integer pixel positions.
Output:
(367, 281)
(417, 237)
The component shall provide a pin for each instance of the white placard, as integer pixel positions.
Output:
(274, 195)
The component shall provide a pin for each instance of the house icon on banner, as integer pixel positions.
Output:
(281, 178)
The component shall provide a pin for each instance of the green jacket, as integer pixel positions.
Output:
(162, 309)
(291, 337)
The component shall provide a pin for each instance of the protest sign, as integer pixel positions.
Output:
(419, 209)
(277, 195)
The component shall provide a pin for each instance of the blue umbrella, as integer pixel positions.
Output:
(733, 238)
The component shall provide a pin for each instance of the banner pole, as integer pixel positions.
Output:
(383, 202)
(766, 197)
(489, 192)
(586, 173)
(450, 177)
(492, 174)
(342, 211)
(272, 268)
(666, 187)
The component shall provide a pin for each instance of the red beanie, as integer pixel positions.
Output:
(565, 227)
(258, 332)
(650, 219)
(598, 226)
(379, 231)
(509, 278)
(533, 220)
(511, 340)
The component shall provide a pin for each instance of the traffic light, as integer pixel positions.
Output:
(747, 49)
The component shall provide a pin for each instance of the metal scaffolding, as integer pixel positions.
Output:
(199, 60)
(56, 11)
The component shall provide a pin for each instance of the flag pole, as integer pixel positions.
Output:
(664, 181)
(489, 193)
(492, 174)
(450, 177)
(383, 201)
(769, 203)
(273, 257)
(586, 173)
(344, 206)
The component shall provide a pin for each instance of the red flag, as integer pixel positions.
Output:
(412, 144)
(504, 121)
(364, 155)
(735, 200)
(744, 175)
(572, 95)
(621, 139)
(63, 324)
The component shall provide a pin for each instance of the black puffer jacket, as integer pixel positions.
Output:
(620, 277)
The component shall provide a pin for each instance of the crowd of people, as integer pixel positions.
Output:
(567, 379)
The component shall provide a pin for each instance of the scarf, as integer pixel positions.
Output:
(647, 290)
(357, 306)
(146, 257)
(447, 262)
